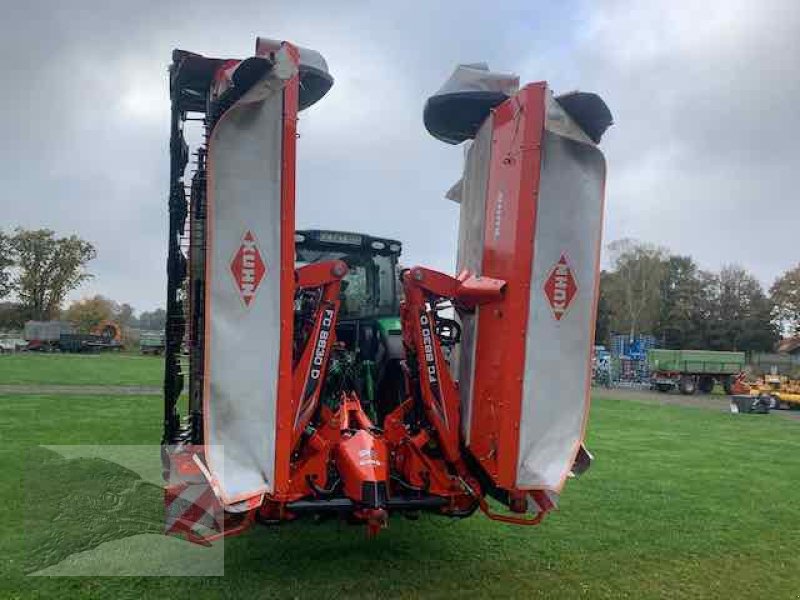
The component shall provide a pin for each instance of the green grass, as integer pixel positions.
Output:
(81, 369)
(680, 503)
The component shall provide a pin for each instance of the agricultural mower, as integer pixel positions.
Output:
(319, 378)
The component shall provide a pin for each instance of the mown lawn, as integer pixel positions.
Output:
(680, 503)
(81, 369)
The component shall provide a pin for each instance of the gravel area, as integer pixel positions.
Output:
(705, 401)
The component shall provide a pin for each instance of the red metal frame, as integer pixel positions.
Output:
(420, 449)
(284, 436)
(508, 253)
(310, 370)
(440, 393)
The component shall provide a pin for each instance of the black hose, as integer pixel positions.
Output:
(320, 491)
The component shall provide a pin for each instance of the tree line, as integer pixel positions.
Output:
(88, 312)
(38, 270)
(648, 290)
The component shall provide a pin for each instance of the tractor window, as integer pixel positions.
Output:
(370, 286)
(387, 284)
(359, 301)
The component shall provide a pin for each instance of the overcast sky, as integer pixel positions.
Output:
(703, 157)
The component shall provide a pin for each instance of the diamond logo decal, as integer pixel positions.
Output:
(248, 268)
(560, 287)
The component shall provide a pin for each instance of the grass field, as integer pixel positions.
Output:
(680, 502)
(81, 369)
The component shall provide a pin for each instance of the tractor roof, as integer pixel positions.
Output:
(339, 239)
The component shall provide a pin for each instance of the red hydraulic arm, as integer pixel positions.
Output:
(309, 372)
(439, 393)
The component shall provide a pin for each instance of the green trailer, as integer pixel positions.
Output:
(151, 342)
(692, 370)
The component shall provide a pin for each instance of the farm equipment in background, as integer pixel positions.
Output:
(109, 332)
(10, 343)
(61, 336)
(776, 391)
(741, 404)
(691, 370)
(628, 363)
(151, 342)
(601, 366)
(322, 380)
(45, 336)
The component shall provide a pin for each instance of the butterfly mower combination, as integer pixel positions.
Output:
(308, 375)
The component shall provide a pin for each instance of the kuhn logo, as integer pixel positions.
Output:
(248, 268)
(560, 287)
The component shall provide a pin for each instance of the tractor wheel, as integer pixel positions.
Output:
(687, 385)
(663, 387)
(706, 384)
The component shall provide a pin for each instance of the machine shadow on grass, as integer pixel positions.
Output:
(99, 510)
(87, 515)
(298, 558)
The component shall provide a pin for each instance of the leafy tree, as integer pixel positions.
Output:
(6, 262)
(785, 294)
(736, 312)
(602, 328)
(12, 316)
(633, 285)
(86, 314)
(48, 269)
(679, 304)
(649, 291)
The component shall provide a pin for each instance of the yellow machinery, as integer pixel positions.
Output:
(782, 391)
(108, 330)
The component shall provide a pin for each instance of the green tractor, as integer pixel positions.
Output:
(370, 344)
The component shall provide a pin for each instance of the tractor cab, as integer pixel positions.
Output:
(371, 287)
(368, 327)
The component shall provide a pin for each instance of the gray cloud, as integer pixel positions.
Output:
(701, 158)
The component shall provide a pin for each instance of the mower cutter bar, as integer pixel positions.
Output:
(347, 505)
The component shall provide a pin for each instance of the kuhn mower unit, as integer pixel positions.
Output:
(320, 378)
